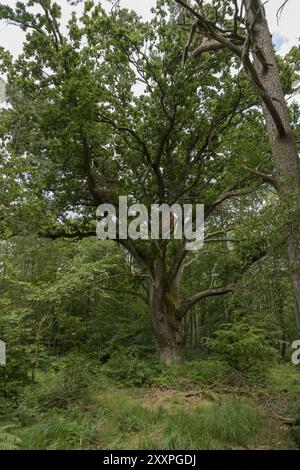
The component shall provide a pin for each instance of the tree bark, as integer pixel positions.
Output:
(163, 304)
(166, 327)
(280, 134)
(264, 74)
(168, 310)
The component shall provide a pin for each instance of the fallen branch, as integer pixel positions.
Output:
(288, 421)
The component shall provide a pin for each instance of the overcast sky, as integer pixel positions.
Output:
(286, 34)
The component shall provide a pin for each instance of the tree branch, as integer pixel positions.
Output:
(228, 193)
(193, 299)
(128, 292)
(63, 234)
(270, 179)
(214, 37)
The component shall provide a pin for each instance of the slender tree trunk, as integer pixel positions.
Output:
(281, 137)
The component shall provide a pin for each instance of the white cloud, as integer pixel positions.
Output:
(288, 25)
(11, 37)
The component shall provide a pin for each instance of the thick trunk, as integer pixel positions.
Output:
(164, 313)
(283, 143)
(166, 329)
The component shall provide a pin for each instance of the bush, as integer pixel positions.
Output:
(67, 383)
(243, 345)
(193, 373)
(127, 369)
(207, 371)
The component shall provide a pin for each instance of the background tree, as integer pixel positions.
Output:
(243, 30)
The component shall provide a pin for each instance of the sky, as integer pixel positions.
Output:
(11, 37)
(285, 34)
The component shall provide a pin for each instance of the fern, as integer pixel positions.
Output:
(8, 441)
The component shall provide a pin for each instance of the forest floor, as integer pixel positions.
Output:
(159, 416)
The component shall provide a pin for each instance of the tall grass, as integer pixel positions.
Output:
(103, 416)
(230, 424)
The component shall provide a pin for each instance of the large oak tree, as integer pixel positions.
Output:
(108, 110)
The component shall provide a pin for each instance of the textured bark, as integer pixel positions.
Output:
(264, 74)
(166, 328)
(168, 309)
(163, 306)
(283, 143)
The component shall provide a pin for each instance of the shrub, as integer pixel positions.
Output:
(67, 384)
(207, 371)
(127, 369)
(193, 373)
(243, 345)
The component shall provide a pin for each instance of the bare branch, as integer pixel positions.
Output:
(208, 46)
(280, 11)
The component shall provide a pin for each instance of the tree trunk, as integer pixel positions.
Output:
(294, 258)
(280, 134)
(164, 314)
(166, 329)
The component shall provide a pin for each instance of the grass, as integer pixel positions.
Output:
(120, 422)
(285, 378)
(182, 416)
(221, 426)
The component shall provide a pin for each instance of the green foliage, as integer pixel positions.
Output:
(8, 440)
(213, 427)
(244, 344)
(72, 429)
(76, 375)
(295, 432)
(192, 373)
(16, 331)
(105, 416)
(77, 133)
(72, 377)
(55, 302)
(285, 378)
(127, 369)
